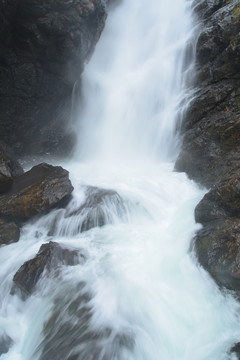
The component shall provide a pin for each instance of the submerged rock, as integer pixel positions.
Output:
(5, 344)
(48, 259)
(99, 208)
(36, 191)
(72, 314)
(9, 232)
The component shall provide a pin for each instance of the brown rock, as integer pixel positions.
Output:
(49, 258)
(36, 191)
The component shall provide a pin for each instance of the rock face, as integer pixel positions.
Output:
(9, 168)
(211, 144)
(49, 258)
(36, 191)
(43, 48)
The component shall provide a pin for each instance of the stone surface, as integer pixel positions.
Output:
(93, 212)
(36, 191)
(217, 247)
(9, 232)
(9, 168)
(48, 259)
(43, 48)
(211, 143)
(100, 207)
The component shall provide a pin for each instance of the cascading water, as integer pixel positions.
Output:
(140, 294)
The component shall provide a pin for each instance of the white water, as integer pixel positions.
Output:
(148, 298)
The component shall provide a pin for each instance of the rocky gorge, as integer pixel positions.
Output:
(43, 50)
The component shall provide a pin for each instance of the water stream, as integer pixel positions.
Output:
(140, 294)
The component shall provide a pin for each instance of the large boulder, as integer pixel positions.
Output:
(43, 48)
(38, 190)
(48, 259)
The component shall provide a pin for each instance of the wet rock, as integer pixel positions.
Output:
(222, 201)
(211, 144)
(83, 338)
(9, 232)
(48, 259)
(101, 207)
(94, 210)
(36, 191)
(9, 168)
(236, 350)
(217, 247)
(43, 48)
(5, 344)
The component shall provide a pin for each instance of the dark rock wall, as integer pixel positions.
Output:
(211, 144)
(211, 140)
(43, 48)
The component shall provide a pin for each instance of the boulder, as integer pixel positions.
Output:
(94, 211)
(49, 258)
(9, 232)
(38, 190)
(217, 247)
(43, 48)
(9, 168)
(100, 207)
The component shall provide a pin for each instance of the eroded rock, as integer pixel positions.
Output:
(36, 191)
(48, 259)
(9, 232)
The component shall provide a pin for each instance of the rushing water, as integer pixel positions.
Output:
(140, 295)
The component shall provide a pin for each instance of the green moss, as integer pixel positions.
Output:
(236, 13)
(204, 244)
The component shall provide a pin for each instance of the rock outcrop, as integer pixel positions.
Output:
(43, 48)
(38, 190)
(211, 144)
(47, 260)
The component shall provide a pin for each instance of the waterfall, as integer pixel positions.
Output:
(140, 293)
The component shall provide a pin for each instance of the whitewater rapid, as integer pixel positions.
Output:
(141, 294)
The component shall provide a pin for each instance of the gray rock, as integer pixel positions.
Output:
(9, 232)
(47, 260)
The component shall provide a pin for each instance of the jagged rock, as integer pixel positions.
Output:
(43, 48)
(93, 210)
(100, 207)
(36, 191)
(222, 201)
(211, 143)
(48, 259)
(9, 232)
(5, 344)
(217, 246)
(9, 168)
